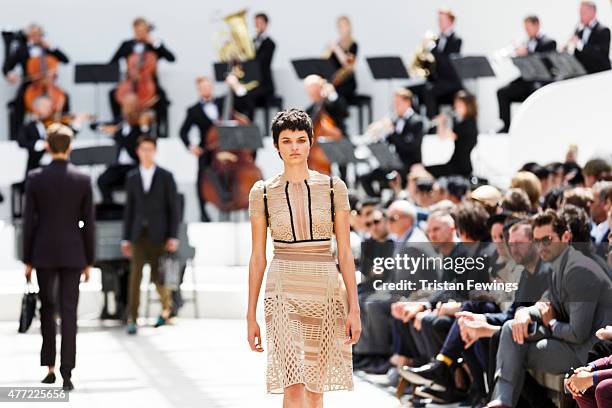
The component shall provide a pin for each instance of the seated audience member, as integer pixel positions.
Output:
(576, 303)
(595, 170)
(530, 184)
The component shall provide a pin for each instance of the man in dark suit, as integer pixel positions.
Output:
(150, 226)
(519, 89)
(323, 96)
(443, 83)
(32, 135)
(577, 303)
(141, 43)
(125, 134)
(591, 40)
(405, 133)
(264, 52)
(204, 114)
(58, 241)
(35, 46)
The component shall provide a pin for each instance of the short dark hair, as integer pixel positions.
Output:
(516, 200)
(146, 138)
(577, 221)
(59, 137)
(598, 168)
(533, 19)
(471, 219)
(550, 217)
(263, 16)
(291, 119)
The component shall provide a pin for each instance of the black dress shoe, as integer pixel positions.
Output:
(378, 368)
(68, 386)
(434, 372)
(49, 379)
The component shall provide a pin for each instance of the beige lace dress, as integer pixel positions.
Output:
(305, 302)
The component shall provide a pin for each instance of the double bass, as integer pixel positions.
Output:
(141, 68)
(228, 179)
(42, 72)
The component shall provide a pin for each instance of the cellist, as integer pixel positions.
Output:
(35, 47)
(203, 114)
(141, 43)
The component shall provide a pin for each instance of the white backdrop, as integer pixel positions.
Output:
(90, 31)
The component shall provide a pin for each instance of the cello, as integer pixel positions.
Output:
(227, 181)
(324, 128)
(42, 71)
(141, 68)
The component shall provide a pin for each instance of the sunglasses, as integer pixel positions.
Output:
(544, 241)
(373, 222)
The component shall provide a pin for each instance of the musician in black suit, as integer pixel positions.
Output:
(125, 134)
(443, 82)
(323, 96)
(204, 114)
(32, 135)
(342, 54)
(150, 226)
(141, 43)
(264, 52)
(519, 89)
(591, 41)
(35, 46)
(405, 133)
(58, 241)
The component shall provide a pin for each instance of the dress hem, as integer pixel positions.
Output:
(275, 391)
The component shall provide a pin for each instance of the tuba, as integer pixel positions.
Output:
(238, 45)
(423, 61)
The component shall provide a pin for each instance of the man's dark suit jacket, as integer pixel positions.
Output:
(58, 197)
(595, 53)
(545, 44)
(157, 209)
(443, 69)
(27, 138)
(22, 54)
(337, 110)
(196, 117)
(408, 142)
(263, 56)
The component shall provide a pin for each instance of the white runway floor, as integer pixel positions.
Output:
(195, 363)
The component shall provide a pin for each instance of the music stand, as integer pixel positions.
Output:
(472, 67)
(341, 152)
(96, 74)
(89, 156)
(239, 137)
(387, 68)
(318, 66)
(564, 66)
(387, 159)
(532, 68)
(250, 68)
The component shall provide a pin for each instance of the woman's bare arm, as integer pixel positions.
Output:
(345, 258)
(257, 263)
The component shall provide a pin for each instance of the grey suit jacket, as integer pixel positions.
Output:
(581, 294)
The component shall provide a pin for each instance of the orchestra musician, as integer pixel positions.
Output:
(323, 95)
(139, 45)
(591, 40)
(405, 133)
(443, 82)
(519, 89)
(342, 54)
(32, 135)
(264, 52)
(203, 114)
(35, 46)
(125, 133)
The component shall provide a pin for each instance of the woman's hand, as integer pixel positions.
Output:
(352, 330)
(254, 336)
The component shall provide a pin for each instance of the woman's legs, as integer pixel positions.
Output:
(294, 396)
(314, 399)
